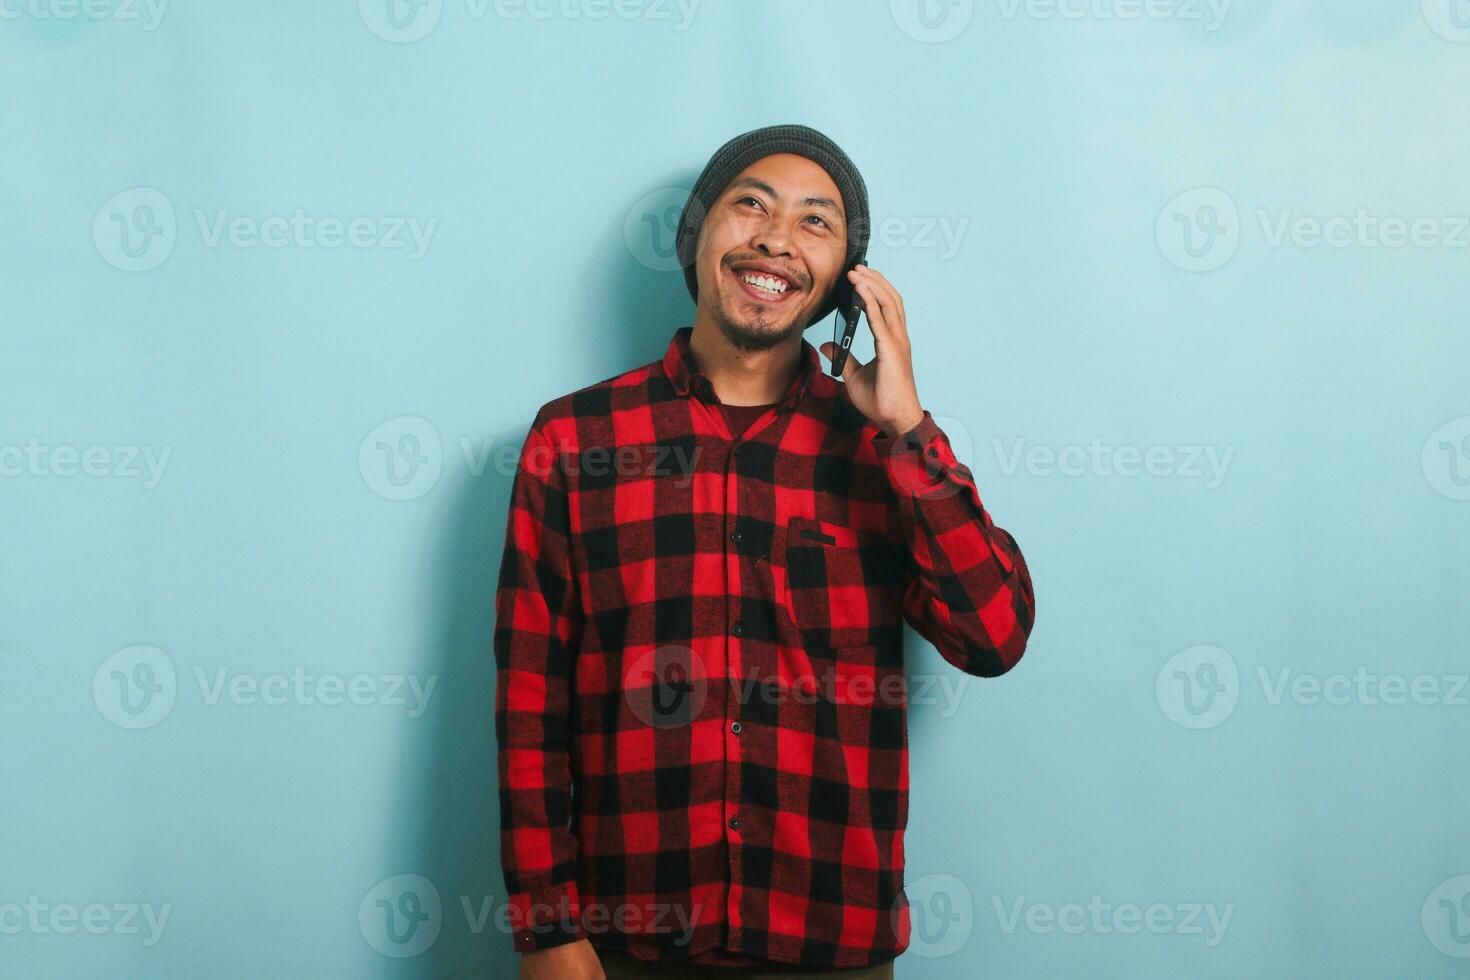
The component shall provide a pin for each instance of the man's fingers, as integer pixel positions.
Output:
(882, 304)
(893, 300)
(853, 365)
(876, 314)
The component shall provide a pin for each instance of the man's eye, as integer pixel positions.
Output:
(818, 218)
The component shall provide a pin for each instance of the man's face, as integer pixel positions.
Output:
(781, 217)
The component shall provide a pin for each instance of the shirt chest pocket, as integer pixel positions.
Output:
(843, 586)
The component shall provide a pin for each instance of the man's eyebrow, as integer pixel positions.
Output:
(812, 202)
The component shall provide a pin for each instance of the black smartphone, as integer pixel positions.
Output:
(850, 322)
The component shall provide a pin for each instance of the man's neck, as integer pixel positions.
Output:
(744, 377)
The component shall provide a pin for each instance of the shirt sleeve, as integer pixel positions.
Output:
(538, 629)
(967, 589)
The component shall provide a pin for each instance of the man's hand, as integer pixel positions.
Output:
(883, 389)
(569, 961)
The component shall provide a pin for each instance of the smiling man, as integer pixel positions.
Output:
(700, 693)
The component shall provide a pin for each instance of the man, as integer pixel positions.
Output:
(700, 709)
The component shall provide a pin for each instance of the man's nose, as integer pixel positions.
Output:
(773, 237)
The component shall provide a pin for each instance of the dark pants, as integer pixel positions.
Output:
(625, 966)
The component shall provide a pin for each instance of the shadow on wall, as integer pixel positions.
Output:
(452, 812)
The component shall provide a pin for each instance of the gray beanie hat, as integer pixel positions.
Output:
(747, 148)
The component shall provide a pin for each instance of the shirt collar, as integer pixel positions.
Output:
(685, 376)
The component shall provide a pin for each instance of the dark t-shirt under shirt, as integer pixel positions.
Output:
(739, 417)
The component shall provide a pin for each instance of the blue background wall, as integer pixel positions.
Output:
(252, 491)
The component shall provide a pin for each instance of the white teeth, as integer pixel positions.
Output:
(765, 282)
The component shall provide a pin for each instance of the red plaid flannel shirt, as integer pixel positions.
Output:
(700, 707)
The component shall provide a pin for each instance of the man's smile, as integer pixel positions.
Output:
(763, 283)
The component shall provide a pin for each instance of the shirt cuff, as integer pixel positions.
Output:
(544, 918)
(918, 459)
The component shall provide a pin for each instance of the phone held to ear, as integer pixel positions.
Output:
(850, 322)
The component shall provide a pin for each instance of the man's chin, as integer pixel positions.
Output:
(745, 333)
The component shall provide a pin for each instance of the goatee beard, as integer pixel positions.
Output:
(743, 337)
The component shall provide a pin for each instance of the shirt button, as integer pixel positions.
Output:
(734, 823)
(737, 629)
(735, 727)
(933, 451)
(736, 450)
(736, 536)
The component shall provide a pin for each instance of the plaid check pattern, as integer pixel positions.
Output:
(700, 707)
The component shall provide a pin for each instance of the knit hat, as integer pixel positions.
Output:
(747, 148)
